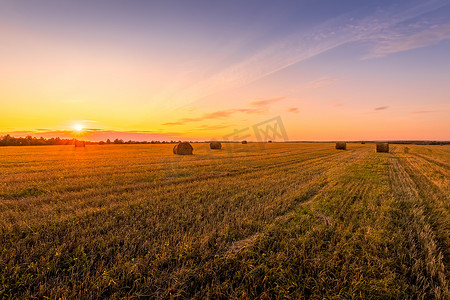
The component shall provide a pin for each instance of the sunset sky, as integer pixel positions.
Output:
(196, 70)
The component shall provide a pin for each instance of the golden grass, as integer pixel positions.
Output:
(286, 220)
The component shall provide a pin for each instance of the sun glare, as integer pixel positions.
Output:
(78, 127)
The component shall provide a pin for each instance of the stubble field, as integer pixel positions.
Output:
(280, 220)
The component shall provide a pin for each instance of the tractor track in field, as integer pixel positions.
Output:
(318, 223)
(182, 166)
(433, 161)
(316, 161)
(426, 267)
(310, 191)
(313, 188)
(111, 170)
(191, 163)
(149, 184)
(434, 202)
(92, 192)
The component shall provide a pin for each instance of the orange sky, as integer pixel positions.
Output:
(174, 72)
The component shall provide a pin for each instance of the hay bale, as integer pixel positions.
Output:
(269, 141)
(341, 145)
(244, 142)
(215, 145)
(183, 148)
(383, 147)
(363, 143)
(80, 144)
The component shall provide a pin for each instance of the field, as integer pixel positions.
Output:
(263, 221)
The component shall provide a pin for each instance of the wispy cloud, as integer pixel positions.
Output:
(173, 123)
(266, 102)
(259, 106)
(381, 108)
(220, 114)
(304, 44)
(335, 102)
(320, 83)
(402, 39)
(294, 110)
(213, 127)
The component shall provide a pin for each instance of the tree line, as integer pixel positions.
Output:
(8, 140)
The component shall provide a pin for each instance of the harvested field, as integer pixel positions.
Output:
(282, 220)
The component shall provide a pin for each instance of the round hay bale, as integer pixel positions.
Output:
(183, 148)
(215, 145)
(383, 147)
(269, 141)
(244, 142)
(363, 143)
(341, 145)
(80, 144)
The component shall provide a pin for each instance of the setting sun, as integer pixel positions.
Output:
(78, 127)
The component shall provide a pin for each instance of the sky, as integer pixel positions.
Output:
(200, 70)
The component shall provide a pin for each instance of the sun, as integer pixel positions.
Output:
(78, 127)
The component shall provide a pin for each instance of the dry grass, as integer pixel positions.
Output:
(286, 220)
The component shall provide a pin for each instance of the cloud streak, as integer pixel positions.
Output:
(220, 114)
(266, 102)
(302, 45)
(320, 83)
(259, 107)
(212, 127)
(401, 41)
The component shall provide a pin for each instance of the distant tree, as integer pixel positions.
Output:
(32, 141)
(8, 140)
